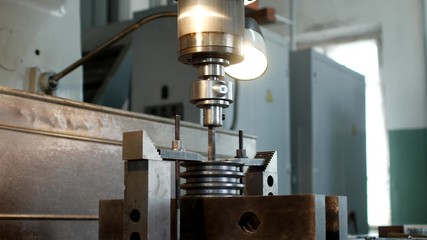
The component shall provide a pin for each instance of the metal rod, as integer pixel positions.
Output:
(54, 79)
(177, 179)
(283, 19)
(211, 143)
(66, 217)
(177, 127)
(240, 139)
(178, 198)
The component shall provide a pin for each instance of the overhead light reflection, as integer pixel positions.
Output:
(254, 52)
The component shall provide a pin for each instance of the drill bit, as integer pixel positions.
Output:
(211, 143)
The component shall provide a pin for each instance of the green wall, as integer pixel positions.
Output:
(408, 176)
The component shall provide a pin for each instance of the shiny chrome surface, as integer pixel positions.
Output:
(212, 44)
(212, 69)
(213, 178)
(210, 29)
(212, 116)
(211, 90)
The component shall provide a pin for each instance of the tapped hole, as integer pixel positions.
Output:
(270, 181)
(249, 222)
(135, 215)
(135, 236)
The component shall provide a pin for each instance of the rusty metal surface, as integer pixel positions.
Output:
(336, 218)
(292, 218)
(110, 219)
(253, 217)
(60, 157)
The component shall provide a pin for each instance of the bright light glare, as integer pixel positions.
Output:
(199, 16)
(249, 2)
(253, 65)
(254, 62)
(199, 11)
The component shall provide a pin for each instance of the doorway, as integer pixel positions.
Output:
(363, 57)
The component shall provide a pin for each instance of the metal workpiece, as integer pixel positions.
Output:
(213, 178)
(263, 180)
(253, 217)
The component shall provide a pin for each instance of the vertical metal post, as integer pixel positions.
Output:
(177, 128)
(177, 145)
(211, 144)
(240, 139)
(177, 199)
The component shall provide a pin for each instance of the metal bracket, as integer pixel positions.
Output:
(39, 81)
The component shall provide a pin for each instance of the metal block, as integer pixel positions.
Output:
(147, 199)
(253, 217)
(263, 180)
(110, 219)
(138, 145)
(384, 231)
